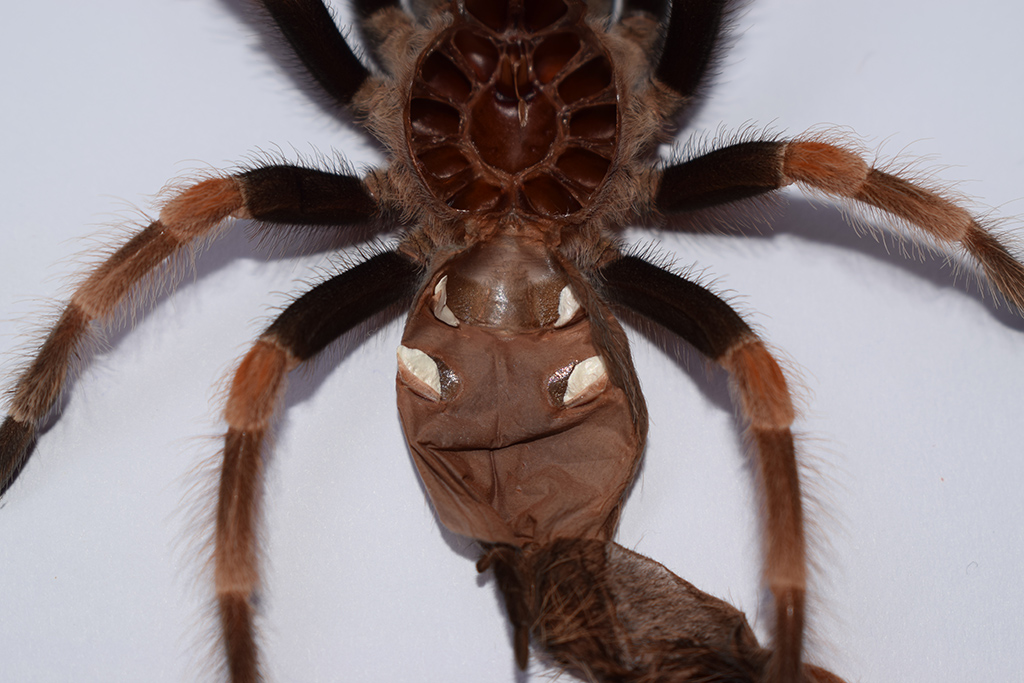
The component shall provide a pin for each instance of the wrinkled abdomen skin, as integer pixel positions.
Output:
(504, 464)
(504, 452)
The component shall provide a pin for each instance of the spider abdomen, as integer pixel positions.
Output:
(517, 430)
(514, 108)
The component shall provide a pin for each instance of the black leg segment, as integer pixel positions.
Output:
(685, 308)
(334, 307)
(692, 42)
(304, 196)
(309, 28)
(739, 171)
(15, 443)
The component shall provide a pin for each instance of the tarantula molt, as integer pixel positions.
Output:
(522, 136)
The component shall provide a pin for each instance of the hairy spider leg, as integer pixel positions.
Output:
(291, 196)
(277, 194)
(693, 42)
(284, 193)
(748, 169)
(308, 325)
(753, 168)
(190, 216)
(318, 43)
(717, 331)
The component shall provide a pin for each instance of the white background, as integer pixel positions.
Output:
(911, 380)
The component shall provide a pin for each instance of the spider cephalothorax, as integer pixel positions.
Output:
(519, 136)
(514, 109)
(513, 119)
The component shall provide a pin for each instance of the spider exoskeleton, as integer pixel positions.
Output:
(536, 195)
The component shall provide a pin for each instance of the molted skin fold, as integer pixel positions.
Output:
(503, 457)
(419, 372)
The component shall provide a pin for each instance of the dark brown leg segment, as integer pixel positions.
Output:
(712, 327)
(752, 168)
(309, 28)
(724, 175)
(192, 214)
(285, 194)
(303, 329)
(693, 38)
(305, 196)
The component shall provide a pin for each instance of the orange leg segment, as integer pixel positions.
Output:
(255, 392)
(283, 194)
(298, 334)
(749, 169)
(842, 173)
(193, 214)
